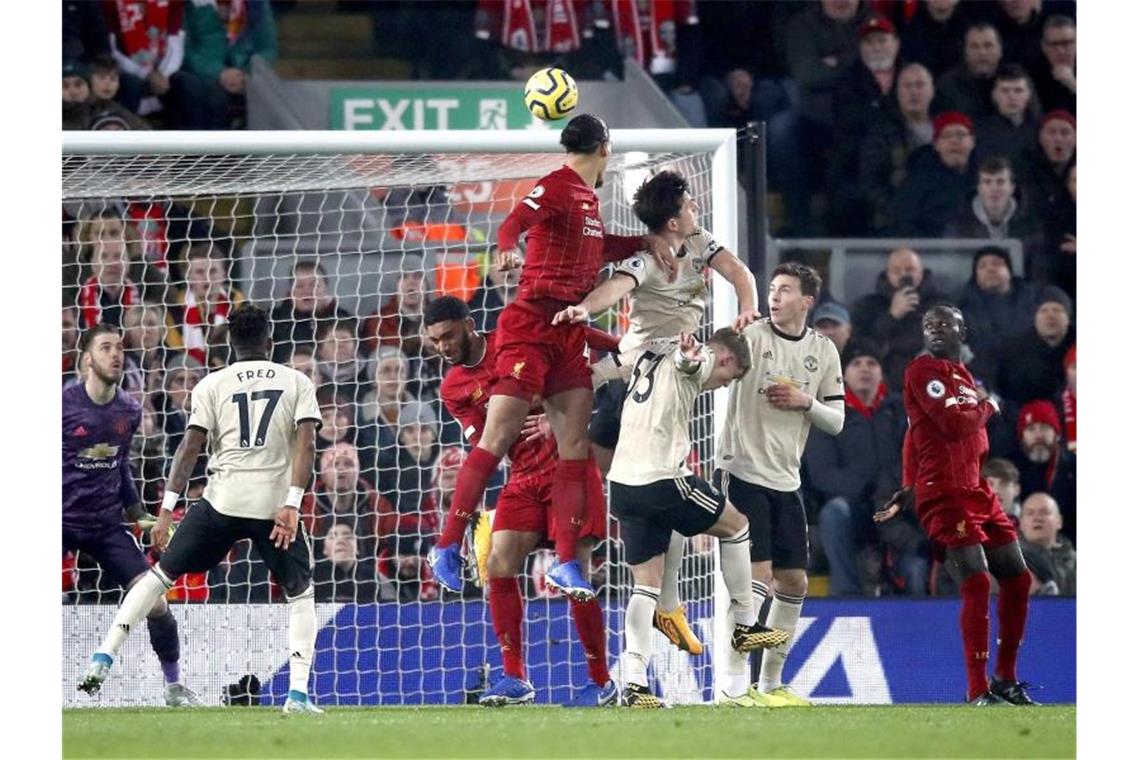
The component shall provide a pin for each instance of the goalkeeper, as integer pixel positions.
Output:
(524, 517)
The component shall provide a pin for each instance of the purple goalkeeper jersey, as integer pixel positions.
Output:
(97, 478)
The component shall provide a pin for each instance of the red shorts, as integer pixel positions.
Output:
(536, 358)
(966, 517)
(525, 505)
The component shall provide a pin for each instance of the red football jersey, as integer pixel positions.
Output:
(465, 392)
(946, 442)
(566, 243)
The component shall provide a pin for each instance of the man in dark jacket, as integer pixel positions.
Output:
(855, 471)
(297, 318)
(1044, 462)
(1048, 164)
(967, 86)
(933, 37)
(995, 303)
(1011, 130)
(994, 212)
(1041, 539)
(892, 315)
(937, 180)
(1055, 71)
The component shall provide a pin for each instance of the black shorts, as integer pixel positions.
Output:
(650, 513)
(116, 551)
(776, 520)
(205, 536)
(605, 423)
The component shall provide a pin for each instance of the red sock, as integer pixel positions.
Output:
(568, 496)
(974, 620)
(506, 617)
(592, 634)
(1012, 609)
(473, 476)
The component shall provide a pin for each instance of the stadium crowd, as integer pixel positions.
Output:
(918, 119)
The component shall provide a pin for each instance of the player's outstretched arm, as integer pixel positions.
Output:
(731, 268)
(600, 298)
(287, 517)
(192, 444)
(900, 500)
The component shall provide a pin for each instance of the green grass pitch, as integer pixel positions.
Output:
(847, 731)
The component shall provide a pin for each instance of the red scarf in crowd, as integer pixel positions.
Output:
(867, 410)
(90, 307)
(518, 30)
(234, 14)
(1069, 407)
(637, 26)
(151, 221)
(136, 20)
(197, 319)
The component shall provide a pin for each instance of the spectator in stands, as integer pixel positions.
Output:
(1030, 365)
(378, 417)
(995, 304)
(75, 86)
(221, 40)
(938, 179)
(968, 86)
(1056, 262)
(201, 309)
(1057, 146)
(84, 31)
(336, 419)
(104, 78)
(338, 361)
(864, 89)
(144, 342)
(1005, 480)
(1011, 130)
(147, 45)
(1044, 462)
(497, 290)
(399, 320)
(994, 212)
(1069, 399)
(340, 495)
(109, 289)
(181, 374)
(346, 573)
(892, 139)
(1055, 72)
(1019, 24)
(856, 471)
(933, 37)
(418, 523)
(833, 320)
(85, 107)
(297, 318)
(1041, 526)
(303, 361)
(892, 315)
(70, 330)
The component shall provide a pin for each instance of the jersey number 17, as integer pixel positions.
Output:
(243, 401)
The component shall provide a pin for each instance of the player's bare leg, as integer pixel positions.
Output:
(569, 415)
(509, 549)
(505, 418)
(1008, 566)
(788, 588)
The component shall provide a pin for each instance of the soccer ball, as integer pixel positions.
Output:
(551, 94)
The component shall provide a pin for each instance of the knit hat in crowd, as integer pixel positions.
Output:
(876, 23)
(418, 413)
(991, 250)
(75, 69)
(861, 347)
(951, 118)
(1059, 114)
(105, 119)
(1053, 294)
(1038, 411)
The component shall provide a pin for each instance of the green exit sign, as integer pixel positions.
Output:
(432, 108)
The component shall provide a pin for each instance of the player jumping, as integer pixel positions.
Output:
(943, 453)
(659, 309)
(566, 246)
(654, 493)
(99, 420)
(261, 420)
(524, 517)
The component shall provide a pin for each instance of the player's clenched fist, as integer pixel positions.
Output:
(509, 259)
(572, 314)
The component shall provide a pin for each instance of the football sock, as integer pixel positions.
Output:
(302, 639)
(592, 634)
(568, 499)
(638, 633)
(163, 632)
(671, 580)
(506, 618)
(783, 616)
(760, 594)
(472, 482)
(974, 620)
(1012, 609)
(737, 572)
(135, 606)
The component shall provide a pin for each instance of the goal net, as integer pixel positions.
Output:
(345, 236)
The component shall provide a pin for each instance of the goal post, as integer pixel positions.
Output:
(376, 210)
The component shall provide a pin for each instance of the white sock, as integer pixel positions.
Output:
(760, 594)
(670, 598)
(737, 572)
(784, 615)
(302, 639)
(638, 633)
(134, 608)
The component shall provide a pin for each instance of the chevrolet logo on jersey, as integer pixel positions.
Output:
(101, 456)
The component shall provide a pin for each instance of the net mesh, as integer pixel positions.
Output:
(343, 249)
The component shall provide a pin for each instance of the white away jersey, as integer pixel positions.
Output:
(760, 443)
(654, 442)
(662, 309)
(250, 411)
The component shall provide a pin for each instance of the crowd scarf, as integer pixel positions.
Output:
(89, 304)
(197, 320)
(235, 19)
(518, 29)
(151, 222)
(867, 410)
(561, 27)
(136, 20)
(634, 30)
(1069, 408)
